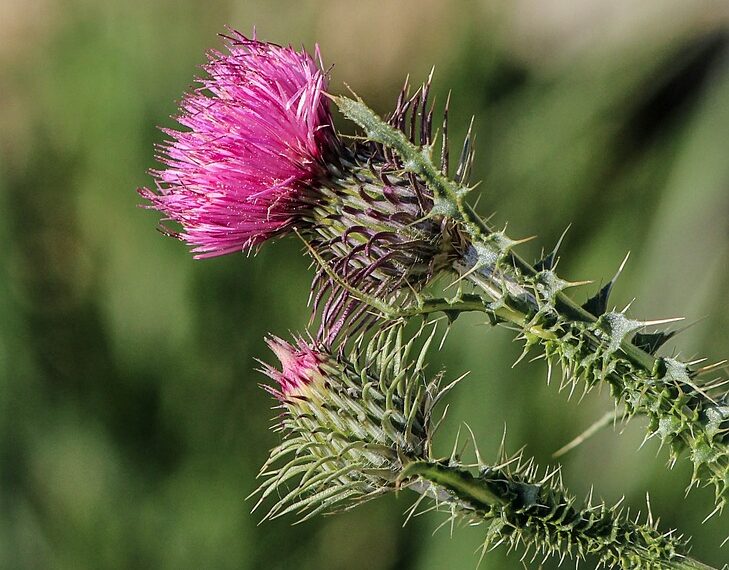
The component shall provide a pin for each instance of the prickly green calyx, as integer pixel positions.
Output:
(351, 426)
(449, 196)
(686, 412)
(371, 230)
(374, 226)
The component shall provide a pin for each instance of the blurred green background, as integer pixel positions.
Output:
(131, 421)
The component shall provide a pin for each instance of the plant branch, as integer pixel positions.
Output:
(591, 344)
(542, 513)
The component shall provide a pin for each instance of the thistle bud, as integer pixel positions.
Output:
(350, 424)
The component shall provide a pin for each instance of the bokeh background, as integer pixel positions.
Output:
(131, 421)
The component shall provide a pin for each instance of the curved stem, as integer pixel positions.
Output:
(457, 481)
(681, 410)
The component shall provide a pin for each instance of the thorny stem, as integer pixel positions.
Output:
(450, 200)
(588, 347)
(482, 499)
(492, 285)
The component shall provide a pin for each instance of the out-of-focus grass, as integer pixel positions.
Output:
(131, 424)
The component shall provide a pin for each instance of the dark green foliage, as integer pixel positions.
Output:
(652, 342)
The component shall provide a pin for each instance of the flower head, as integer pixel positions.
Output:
(258, 131)
(299, 366)
(362, 415)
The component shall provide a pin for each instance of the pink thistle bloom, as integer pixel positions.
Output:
(259, 131)
(300, 366)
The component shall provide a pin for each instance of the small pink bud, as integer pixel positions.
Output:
(300, 365)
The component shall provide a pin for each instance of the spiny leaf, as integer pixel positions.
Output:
(652, 342)
(597, 305)
(549, 261)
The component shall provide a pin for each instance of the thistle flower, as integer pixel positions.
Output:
(360, 426)
(259, 134)
(260, 158)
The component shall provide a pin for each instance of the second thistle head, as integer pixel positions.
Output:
(350, 423)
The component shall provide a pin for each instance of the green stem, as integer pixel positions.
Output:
(493, 287)
(518, 501)
(458, 481)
